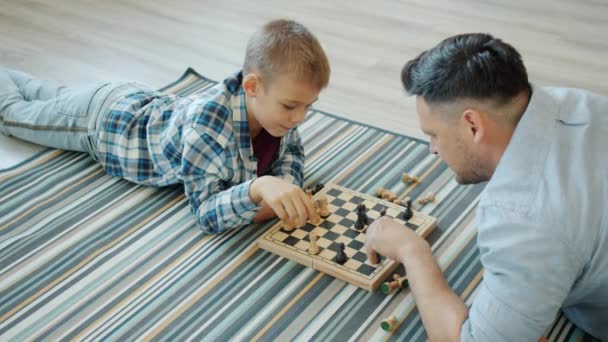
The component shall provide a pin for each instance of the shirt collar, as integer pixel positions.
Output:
(521, 165)
(240, 122)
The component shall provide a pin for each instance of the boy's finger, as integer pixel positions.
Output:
(300, 207)
(310, 210)
(280, 211)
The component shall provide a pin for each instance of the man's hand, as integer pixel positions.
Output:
(393, 240)
(442, 311)
(288, 201)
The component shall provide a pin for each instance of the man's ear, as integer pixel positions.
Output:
(251, 84)
(475, 124)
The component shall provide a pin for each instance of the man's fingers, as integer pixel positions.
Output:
(372, 256)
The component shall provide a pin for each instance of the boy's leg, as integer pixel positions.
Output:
(34, 89)
(46, 114)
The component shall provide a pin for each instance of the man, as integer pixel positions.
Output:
(542, 218)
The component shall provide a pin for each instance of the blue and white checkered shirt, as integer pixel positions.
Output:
(202, 141)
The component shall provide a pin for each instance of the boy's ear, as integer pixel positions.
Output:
(251, 84)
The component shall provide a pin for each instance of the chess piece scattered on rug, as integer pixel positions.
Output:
(407, 178)
(389, 323)
(398, 202)
(398, 282)
(341, 256)
(385, 194)
(430, 197)
(323, 210)
(313, 248)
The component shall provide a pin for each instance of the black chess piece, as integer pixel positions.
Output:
(362, 213)
(407, 213)
(341, 257)
(318, 187)
(360, 223)
(383, 212)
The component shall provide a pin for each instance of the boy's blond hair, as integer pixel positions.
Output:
(287, 47)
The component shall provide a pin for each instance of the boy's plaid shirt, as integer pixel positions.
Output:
(202, 141)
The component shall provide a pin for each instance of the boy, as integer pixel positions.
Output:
(235, 147)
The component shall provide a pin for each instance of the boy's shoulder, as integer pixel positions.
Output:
(212, 110)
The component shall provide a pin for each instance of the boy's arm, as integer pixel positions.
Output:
(289, 167)
(265, 213)
(216, 205)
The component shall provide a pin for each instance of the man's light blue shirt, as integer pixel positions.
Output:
(543, 223)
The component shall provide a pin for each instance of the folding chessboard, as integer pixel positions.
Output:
(339, 227)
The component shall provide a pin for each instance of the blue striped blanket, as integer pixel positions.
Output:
(85, 256)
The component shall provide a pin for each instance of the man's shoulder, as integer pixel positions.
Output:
(577, 105)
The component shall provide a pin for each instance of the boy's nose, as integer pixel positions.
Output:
(299, 116)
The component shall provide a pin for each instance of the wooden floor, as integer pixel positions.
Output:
(564, 43)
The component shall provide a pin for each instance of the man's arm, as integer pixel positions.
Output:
(528, 273)
(442, 311)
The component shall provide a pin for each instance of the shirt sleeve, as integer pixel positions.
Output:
(216, 205)
(290, 165)
(528, 273)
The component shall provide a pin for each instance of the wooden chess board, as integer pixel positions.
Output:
(339, 227)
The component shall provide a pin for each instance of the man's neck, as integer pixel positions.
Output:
(504, 133)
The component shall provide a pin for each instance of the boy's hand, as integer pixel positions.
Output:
(288, 201)
(393, 240)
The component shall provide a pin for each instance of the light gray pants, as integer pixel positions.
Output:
(56, 116)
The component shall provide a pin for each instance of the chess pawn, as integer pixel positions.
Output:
(313, 248)
(407, 214)
(341, 256)
(406, 178)
(323, 210)
(385, 195)
(389, 323)
(288, 225)
(315, 206)
(316, 218)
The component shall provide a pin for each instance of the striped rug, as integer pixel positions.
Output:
(85, 256)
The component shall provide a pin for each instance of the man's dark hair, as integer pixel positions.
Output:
(474, 65)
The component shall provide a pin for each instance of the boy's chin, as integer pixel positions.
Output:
(278, 132)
